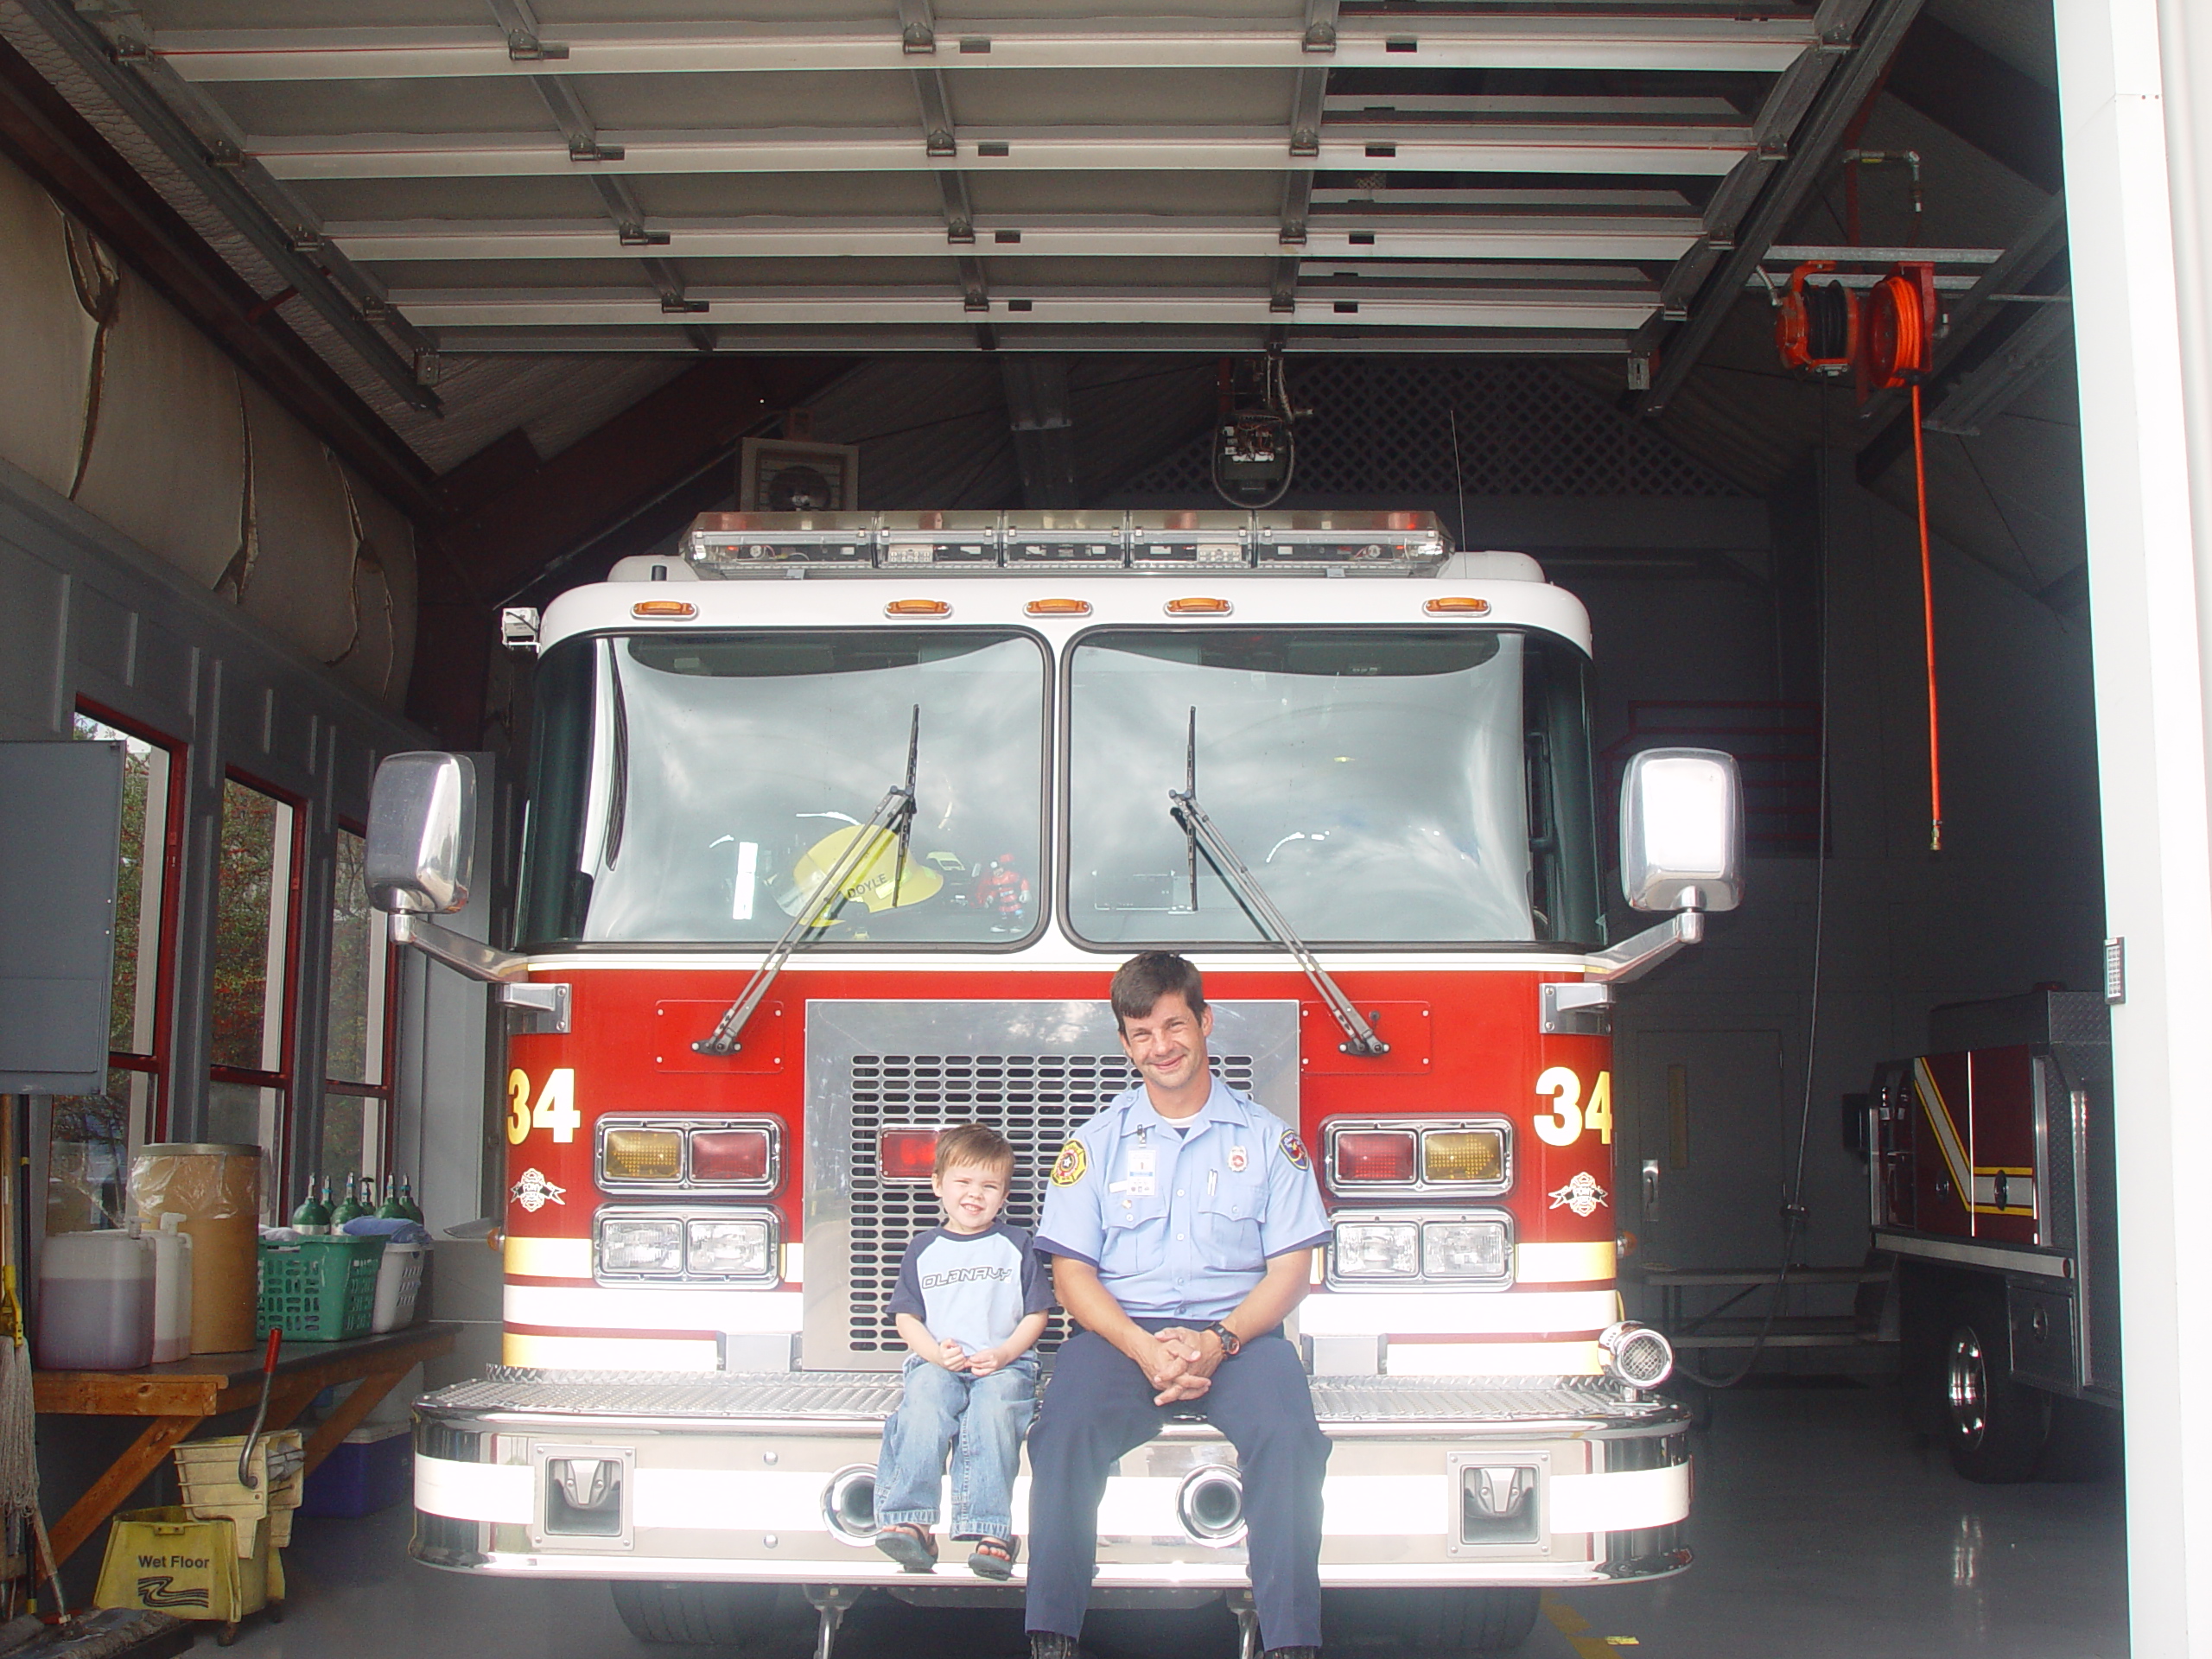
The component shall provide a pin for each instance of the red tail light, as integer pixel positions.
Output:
(908, 1154)
(1374, 1156)
(729, 1155)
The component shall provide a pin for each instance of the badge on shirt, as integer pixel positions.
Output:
(1143, 1161)
(1295, 1149)
(1072, 1162)
(1137, 1186)
(1236, 1160)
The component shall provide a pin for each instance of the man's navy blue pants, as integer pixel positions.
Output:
(1099, 1406)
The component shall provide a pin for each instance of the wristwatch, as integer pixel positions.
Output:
(1231, 1342)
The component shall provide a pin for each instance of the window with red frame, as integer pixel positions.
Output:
(357, 1068)
(257, 905)
(89, 1158)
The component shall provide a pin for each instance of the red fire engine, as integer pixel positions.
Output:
(1992, 1182)
(838, 826)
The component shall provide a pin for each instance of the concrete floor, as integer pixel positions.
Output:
(1821, 1526)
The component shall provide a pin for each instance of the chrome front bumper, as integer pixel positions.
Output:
(741, 1478)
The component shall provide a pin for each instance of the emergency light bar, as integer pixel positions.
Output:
(726, 546)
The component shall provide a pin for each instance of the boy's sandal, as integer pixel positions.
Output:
(993, 1558)
(909, 1545)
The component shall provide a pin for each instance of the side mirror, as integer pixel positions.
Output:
(1683, 830)
(421, 851)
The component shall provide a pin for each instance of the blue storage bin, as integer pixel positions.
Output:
(372, 1469)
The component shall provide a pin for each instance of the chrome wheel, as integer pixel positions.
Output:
(1967, 1385)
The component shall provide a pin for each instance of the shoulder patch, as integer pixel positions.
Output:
(1295, 1149)
(1072, 1164)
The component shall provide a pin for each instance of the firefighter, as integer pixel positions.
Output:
(1002, 893)
(1181, 1222)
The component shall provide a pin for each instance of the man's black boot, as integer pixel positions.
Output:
(1292, 1652)
(1050, 1644)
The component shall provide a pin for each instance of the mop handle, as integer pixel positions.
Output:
(246, 1477)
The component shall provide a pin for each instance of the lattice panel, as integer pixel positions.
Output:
(1037, 1101)
(1381, 426)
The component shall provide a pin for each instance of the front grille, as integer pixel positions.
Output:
(1035, 1069)
(1037, 1101)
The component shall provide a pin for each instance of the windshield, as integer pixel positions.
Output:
(1399, 786)
(701, 788)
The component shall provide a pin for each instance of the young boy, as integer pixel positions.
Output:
(971, 1302)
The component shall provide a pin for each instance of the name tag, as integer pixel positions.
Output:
(1137, 1186)
(1141, 1161)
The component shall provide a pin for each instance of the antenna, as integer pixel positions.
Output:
(1191, 784)
(1459, 483)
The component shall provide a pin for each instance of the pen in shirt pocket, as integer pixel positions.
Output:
(1212, 1175)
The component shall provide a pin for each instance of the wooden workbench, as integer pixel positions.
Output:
(176, 1398)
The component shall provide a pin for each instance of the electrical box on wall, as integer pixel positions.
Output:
(60, 835)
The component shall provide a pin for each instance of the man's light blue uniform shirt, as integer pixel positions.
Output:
(1180, 1216)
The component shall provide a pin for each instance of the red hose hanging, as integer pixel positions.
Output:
(1901, 314)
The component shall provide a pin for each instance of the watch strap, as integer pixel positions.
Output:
(1232, 1344)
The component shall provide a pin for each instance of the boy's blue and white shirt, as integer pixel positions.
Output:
(971, 1288)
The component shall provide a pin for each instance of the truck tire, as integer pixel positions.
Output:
(1996, 1427)
(1427, 1624)
(700, 1615)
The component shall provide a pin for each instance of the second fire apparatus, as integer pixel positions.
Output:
(838, 827)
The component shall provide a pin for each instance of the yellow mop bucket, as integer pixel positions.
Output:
(166, 1560)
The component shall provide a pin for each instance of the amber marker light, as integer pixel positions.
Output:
(1458, 605)
(1058, 608)
(918, 607)
(1198, 608)
(681, 609)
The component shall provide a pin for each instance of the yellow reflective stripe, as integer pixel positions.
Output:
(1565, 1264)
(1492, 1359)
(609, 1353)
(549, 1258)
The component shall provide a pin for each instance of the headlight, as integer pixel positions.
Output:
(641, 1246)
(643, 1155)
(1464, 1249)
(1370, 1249)
(734, 1250)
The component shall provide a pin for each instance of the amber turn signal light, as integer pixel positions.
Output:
(683, 608)
(918, 607)
(1458, 605)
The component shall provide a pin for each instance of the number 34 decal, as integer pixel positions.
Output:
(1562, 1126)
(555, 1108)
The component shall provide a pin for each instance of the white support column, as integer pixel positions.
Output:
(2141, 332)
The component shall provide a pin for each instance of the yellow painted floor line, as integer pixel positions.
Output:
(1570, 1623)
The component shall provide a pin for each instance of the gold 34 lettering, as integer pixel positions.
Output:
(1562, 1126)
(554, 1109)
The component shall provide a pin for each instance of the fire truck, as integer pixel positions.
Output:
(838, 826)
(1993, 1183)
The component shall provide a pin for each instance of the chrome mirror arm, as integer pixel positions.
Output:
(1632, 958)
(1360, 1037)
(464, 955)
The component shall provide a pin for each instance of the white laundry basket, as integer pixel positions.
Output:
(399, 1277)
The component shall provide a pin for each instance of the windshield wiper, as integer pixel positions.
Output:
(894, 813)
(1199, 830)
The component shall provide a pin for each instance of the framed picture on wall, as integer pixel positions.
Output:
(797, 475)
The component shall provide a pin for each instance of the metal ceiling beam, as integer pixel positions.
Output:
(220, 184)
(1309, 98)
(1468, 236)
(1793, 180)
(940, 141)
(1014, 337)
(1724, 43)
(62, 152)
(1409, 307)
(1986, 390)
(1687, 152)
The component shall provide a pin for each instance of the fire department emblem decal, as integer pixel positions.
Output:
(1582, 1195)
(534, 1191)
(1295, 1149)
(1073, 1162)
(1236, 1160)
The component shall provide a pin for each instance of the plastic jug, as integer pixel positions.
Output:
(95, 1302)
(172, 1289)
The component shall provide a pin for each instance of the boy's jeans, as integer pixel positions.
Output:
(986, 1416)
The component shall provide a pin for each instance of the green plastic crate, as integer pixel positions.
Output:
(320, 1289)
